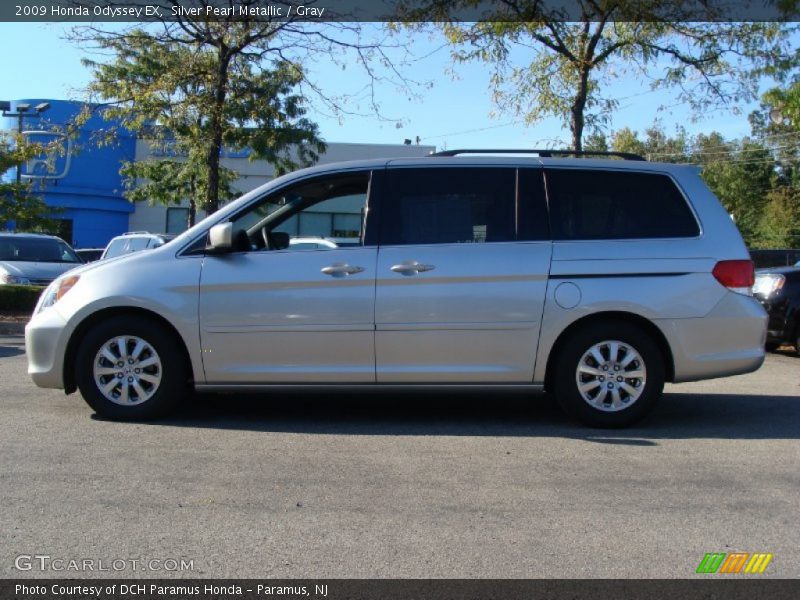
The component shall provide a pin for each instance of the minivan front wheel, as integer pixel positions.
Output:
(128, 368)
(609, 374)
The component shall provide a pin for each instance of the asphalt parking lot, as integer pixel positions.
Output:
(402, 486)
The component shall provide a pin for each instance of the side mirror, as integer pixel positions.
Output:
(223, 239)
(220, 237)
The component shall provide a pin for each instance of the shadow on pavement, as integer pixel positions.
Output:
(6, 351)
(678, 416)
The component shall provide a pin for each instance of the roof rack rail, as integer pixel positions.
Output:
(543, 153)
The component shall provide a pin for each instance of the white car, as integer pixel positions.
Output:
(135, 241)
(310, 243)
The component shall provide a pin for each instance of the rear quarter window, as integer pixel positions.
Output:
(606, 205)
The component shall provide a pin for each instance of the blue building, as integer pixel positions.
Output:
(84, 182)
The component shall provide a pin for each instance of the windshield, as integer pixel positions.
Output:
(36, 250)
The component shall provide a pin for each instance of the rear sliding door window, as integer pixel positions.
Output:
(603, 205)
(448, 206)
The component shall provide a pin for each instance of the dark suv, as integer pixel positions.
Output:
(778, 290)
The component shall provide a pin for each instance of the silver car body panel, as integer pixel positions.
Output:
(473, 317)
(270, 317)
(523, 388)
(153, 281)
(486, 314)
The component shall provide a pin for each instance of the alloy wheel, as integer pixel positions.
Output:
(611, 375)
(127, 370)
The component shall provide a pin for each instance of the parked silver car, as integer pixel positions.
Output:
(34, 258)
(597, 280)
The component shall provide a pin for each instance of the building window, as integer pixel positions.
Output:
(177, 219)
(315, 224)
(346, 225)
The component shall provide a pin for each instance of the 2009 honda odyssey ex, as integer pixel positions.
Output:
(597, 280)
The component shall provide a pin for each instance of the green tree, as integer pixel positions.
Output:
(741, 173)
(170, 181)
(778, 122)
(18, 202)
(656, 145)
(548, 63)
(786, 102)
(196, 99)
(235, 79)
(779, 225)
(596, 142)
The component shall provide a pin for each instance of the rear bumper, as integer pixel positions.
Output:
(729, 340)
(45, 343)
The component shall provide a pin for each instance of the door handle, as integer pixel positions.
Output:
(341, 270)
(412, 268)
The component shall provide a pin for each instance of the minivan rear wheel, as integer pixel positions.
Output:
(129, 368)
(609, 374)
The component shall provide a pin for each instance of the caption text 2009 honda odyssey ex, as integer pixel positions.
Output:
(597, 280)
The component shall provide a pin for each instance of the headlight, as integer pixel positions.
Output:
(768, 283)
(57, 290)
(14, 279)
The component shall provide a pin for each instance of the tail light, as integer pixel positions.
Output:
(736, 275)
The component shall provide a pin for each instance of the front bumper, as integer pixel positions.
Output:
(46, 338)
(778, 330)
(775, 336)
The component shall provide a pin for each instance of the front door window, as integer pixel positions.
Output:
(320, 214)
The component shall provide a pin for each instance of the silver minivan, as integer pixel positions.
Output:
(594, 279)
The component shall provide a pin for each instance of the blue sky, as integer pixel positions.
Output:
(454, 112)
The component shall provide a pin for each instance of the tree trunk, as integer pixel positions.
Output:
(216, 126)
(192, 212)
(190, 221)
(578, 106)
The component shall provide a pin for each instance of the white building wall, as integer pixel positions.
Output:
(256, 173)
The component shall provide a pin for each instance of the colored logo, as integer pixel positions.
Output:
(735, 562)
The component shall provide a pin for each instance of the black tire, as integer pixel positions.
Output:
(571, 355)
(170, 369)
